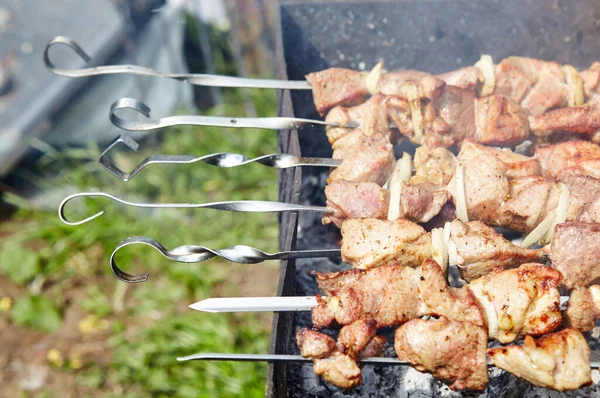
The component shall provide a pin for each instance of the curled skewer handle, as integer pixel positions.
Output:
(268, 123)
(192, 78)
(247, 206)
(196, 253)
(223, 159)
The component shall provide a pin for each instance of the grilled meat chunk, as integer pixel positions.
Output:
(567, 158)
(499, 121)
(357, 294)
(339, 369)
(584, 120)
(337, 86)
(452, 351)
(337, 363)
(559, 360)
(583, 308)
(391, 83)
(584, 199)
(519, 301)
(371, 115)
(478, 249)
(314, 344)
(433, 167)
(422, 202)
(517, 165)
(591, 80)
(575, 252)
(370, 242)
(355, 200)
(369, 159)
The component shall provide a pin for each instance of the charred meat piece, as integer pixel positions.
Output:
(536, 85)
(337, 363)
(583, 308)
(567, 158)
(355, 200)
(409, 293)
(575, 252)
(519, 301)
(370, 242)
(478, 249)
(584, 120)
(517, 165)
(560, 361)
(452, 351)
(371, 116)
(337, 86)
(369, 159)
(499, 121)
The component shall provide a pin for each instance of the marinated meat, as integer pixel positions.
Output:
(517, 165)
(433, 167)
(499, 121)
(559, 360)
(536, 85)
(584, 198)
(478, 249)
(374, 348)
(354, 338)
(338, 369)
(355, 200)
(468, 77)
(575, 252)
(314, 344)
(422, 202)
(519, 301)
(584, 120)
(357, 294)
(337, 86)
(370, 242)
(391, 83)
(591, 80)
(567, 158)
(372, 116)
(452, 351)
(370, 159)
(583, 308)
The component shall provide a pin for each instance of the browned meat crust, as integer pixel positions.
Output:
(568, 158)
(355, 200)
(337, 86)
(452, 351)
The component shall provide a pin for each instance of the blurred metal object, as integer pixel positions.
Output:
(244, 206)
(222, 159)
(192, 78)
(283, 358)
(269, 123)
(196, 254)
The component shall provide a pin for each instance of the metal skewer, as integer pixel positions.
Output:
(192, 78)
(196, 253)
(246, 206)
(379, 361)
(268, 123)
(267, 304)
(223, 159)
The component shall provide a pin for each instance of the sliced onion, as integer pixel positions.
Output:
(538, 232)
(452, 253)
(561, 212)
(400, 176)
(440, 253)
(460, 202)
(575, 84)
(486, 67)
(373, 77)
(595, 292)
(447, 231)
(411, 92)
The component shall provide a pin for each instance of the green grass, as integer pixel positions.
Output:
(150, 324)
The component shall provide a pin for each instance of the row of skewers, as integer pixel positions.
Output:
(404, 222)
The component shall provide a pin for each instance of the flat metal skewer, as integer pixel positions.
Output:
(192, 78)
(267, 304)
(380, 361)
(268, 123)
(246, 206)
(223, 159)
(196, 253)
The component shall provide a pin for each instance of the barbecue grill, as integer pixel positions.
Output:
(433, 36)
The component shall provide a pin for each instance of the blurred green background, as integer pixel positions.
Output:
(69, 328)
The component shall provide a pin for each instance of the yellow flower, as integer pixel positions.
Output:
(55, 358)
(5, 304)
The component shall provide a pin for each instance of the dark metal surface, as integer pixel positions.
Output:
(433, 36)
